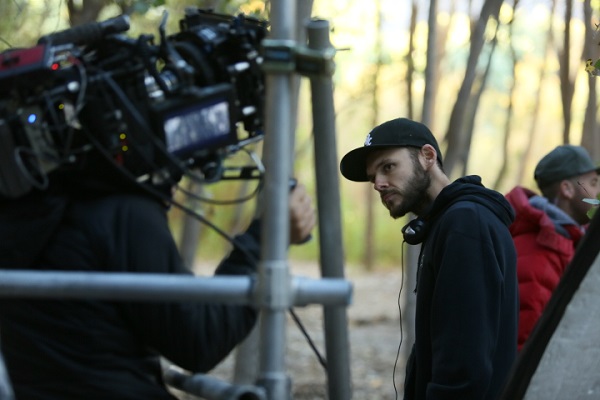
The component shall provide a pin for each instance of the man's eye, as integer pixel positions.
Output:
(388, 167)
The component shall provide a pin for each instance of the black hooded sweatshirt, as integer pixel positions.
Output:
(467, 297)
(90, 349)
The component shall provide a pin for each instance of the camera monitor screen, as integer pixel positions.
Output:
(199, 125)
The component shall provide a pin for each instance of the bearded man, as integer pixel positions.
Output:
(467, 303)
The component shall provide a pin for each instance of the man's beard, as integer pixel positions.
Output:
(414, 193)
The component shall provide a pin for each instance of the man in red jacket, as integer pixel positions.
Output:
(547, 228)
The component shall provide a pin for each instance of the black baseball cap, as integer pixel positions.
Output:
(399, 132)
(563, 162)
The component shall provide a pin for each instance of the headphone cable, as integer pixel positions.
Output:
(400, 316)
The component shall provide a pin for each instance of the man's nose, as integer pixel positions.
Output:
(379, 184)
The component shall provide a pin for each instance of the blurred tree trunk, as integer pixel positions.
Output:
(239, 222)
(431, 69)
(567, 79)
(436, 55)
(369, 254)
(456, 136)
(535, 115)
(81, 12)
(509, 112)
(191, 229)
(410, 64)
(430, 72)
(590, 138)
(473, 106)
(409, 263)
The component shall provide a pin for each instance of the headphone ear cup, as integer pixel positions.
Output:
(414, 232)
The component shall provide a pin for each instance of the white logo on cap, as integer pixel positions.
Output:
(368, 140)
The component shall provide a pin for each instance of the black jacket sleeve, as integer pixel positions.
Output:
(195, 336)
(243, 259)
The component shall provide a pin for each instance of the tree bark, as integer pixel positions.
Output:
(88, 12)
(430, 68)
(471, 112)
(370, 228)
(410, 65)
(590, 138)
(456, 136)
(509, 112)
(567, 81)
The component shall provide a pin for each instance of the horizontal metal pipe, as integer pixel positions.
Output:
(326, 291)
(124, 286)
(212, 388)
(161, 287)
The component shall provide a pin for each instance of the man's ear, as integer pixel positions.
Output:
(566, 189)
(428, 156)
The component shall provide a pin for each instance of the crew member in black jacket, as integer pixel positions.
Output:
(467, 298)
(92, 349)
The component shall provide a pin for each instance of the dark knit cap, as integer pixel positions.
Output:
(563, 162)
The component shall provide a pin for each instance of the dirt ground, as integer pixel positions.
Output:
(374, 336)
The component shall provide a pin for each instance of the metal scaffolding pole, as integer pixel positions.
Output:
(208, 387)
(274, 277)
(6, 392)
(163, 287)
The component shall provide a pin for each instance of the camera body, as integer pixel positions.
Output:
(152, 110)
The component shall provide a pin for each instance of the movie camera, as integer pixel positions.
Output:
(155, 110)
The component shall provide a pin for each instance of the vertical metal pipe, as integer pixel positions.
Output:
(330, 232)
(247, 357)
(6, 392)
(274, 277)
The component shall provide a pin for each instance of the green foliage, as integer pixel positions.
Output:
(592, 67)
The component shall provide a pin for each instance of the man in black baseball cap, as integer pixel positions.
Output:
(549, 227)
(465, 333)
(395, 133)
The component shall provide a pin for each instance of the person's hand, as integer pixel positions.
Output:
(302, 215)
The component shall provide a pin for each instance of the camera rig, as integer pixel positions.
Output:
(155, 111)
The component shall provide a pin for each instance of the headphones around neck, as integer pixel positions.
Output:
(415, 231)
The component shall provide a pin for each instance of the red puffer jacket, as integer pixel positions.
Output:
(542, 256)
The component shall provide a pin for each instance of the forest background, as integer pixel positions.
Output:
(500, 83)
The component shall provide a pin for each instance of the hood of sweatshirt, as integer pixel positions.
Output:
(470, 188)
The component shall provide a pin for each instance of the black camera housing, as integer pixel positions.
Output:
(91, 93)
